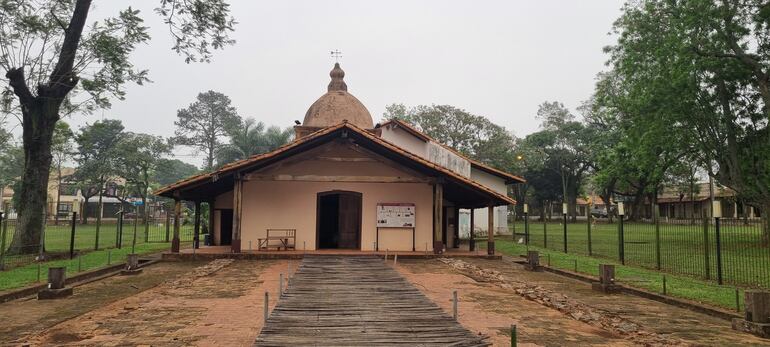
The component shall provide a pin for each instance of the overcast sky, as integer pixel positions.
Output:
(499, 59)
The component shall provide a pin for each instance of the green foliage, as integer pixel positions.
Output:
(97, 154)
(252, 138)
(61, 144)
(556, 159)
(203, 124)
(197, 26)
(139, 156)
(169, 171)
(472, 135)
(696, 74)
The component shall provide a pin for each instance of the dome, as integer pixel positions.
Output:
(337, 105)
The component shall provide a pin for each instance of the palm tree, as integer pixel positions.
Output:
(250, 139)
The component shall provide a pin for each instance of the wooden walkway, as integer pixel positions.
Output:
(358, 301)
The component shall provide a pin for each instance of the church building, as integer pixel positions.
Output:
(346, 183)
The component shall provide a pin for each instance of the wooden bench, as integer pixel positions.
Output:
(286, 239)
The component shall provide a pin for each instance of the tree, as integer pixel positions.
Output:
(97, 159)
(62, 150)
(563, 147)
(469, 134)
(168, 171)
(55, 65)
(139, 156)
(700, 68)
(252, 138)
(203, 124)
(11, 163)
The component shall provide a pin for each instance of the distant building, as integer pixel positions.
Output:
(70, 197)
(676, 203)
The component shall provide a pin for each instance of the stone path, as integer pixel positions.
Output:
(358, 301)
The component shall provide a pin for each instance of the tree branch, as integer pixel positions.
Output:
(62, 80)
(18, 83)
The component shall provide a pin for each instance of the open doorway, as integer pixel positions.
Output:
(338, 220)
(225, 227)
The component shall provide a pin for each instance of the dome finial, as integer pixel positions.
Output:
(337, 76)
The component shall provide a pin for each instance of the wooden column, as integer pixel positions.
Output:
(237, 199)
(491, 231)
(175, 239)
(472, 240)
(438, 209)
(456, 236)
(211, 222)
(197, 226)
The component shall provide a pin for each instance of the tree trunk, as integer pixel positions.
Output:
(99, 214)
(39, 116)
(84, 215)
(58, 194)
(33, 192)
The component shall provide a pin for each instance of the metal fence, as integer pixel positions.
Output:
(725, 250)
(67, 240)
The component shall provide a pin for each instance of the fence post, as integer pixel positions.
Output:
(454, 304)
(565, 228)
(718, 240)
(706, 257)
(146, 224)
(119, 237)
(657, 236)
(621, 236)
(4, 223)
(168, 224)
(545, 233)
(72, 235)
(133, 241)
(526, 228)
(590, 247)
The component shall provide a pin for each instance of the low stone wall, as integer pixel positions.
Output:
(603, 319)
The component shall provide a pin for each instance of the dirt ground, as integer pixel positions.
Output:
(220, 303)
(216, 308)
(489, 309)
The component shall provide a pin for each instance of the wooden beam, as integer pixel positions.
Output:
(197, 225)
(438, 209)
(472, 240)
(320, 178)
(491, 231)
(175, 239)
(347, 159)
(237, 200)
(211, 222)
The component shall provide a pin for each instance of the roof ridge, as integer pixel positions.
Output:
(456, 152)
(327, 130)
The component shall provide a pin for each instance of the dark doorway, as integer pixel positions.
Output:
(339, 220)
(225, 227)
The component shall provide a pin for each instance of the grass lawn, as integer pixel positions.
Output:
(28, 274)
(652, 280)
(57, 238)
(677, 248)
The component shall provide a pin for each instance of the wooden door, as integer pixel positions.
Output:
(349, 221)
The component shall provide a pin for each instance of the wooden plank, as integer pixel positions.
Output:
(358, 301)
(321, 178)
(438, 212)
(491, 230)
(235, 243)
(347, 159)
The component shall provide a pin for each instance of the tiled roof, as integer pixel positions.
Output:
(234, 166)
(479, 165)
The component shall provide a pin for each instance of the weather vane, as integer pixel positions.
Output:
(336, 54)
